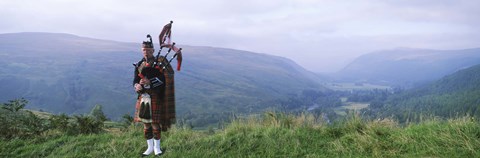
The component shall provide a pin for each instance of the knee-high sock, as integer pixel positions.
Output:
(148, 133)
(157, 134)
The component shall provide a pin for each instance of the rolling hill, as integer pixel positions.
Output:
(64, 73)
(454, 95)
(405, 66)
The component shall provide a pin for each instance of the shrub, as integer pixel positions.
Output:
(59, 122)
(85, 125)
(18, 123)
(98, 114)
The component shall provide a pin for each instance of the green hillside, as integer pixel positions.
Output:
(272, 135)
(453, 95)
(63, 73)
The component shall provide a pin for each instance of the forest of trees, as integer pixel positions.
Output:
(17, 122)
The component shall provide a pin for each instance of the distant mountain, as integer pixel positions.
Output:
(408, 66)
(454, 95)
(63, 73)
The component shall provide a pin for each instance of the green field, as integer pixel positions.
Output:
(354, 86)
(349, 106)
(272, 135)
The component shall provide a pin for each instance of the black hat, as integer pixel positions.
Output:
(148, 44)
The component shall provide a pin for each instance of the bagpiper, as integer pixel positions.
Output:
(154, 83)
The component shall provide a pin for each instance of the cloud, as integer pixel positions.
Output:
(321, 35)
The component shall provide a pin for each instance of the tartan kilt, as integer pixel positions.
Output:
(155, 105)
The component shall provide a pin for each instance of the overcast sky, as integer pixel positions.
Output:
(320, 35)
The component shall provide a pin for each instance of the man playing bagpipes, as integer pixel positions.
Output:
(154, 83)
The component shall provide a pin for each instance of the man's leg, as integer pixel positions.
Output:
(148, 133)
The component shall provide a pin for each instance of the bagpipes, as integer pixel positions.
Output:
(165, 41)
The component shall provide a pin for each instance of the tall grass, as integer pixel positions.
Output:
(273, 135)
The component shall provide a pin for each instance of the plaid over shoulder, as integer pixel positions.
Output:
(169, 116)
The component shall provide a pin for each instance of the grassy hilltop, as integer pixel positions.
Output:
(271, 135)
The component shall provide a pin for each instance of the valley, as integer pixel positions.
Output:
(77, 73)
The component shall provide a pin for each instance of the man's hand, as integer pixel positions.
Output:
(145, 81)
(138, 87)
